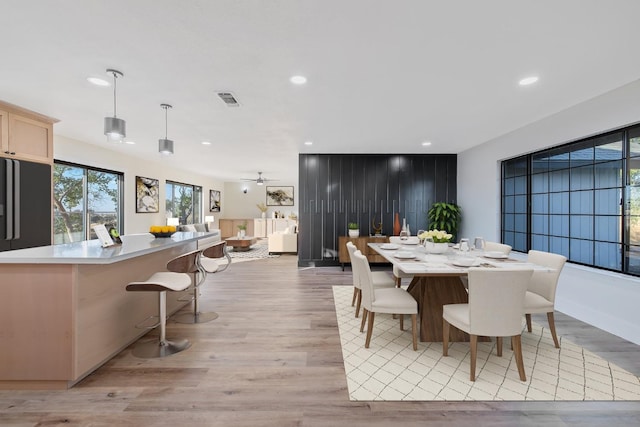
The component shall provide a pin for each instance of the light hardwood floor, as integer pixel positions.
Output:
(273, 358)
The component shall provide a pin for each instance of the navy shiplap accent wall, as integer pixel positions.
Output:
(335, 189)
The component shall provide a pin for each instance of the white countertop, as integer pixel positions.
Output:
(91, 252)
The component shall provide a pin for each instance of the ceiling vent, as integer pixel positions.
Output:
(229, 99)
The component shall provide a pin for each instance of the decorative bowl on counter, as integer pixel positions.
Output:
(169, 234)
(162, 230)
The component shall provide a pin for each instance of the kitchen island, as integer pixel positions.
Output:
(64, 309)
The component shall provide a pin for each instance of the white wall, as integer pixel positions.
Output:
(238, 204)
(606, 300)
(157, 167)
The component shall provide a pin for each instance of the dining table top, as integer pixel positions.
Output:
(415, 260)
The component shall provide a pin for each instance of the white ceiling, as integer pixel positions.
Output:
(383, 76)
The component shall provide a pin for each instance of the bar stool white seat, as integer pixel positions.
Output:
(207, 263)
(175, 280)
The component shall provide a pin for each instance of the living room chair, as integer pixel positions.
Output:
(397, 273)
(495, 309)
(380, 279)
(541, 293)
(283, 241)
(383, 300)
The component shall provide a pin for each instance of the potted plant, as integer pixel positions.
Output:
(436, 241)
(445, 216)
(263, 209)
(242, 230)
(354, 229)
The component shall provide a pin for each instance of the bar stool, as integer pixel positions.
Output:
(176, 279)
(207, 263)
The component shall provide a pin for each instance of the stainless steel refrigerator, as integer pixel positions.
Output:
(25, 204)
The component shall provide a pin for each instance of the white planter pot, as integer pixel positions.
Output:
(437, 248)
(354, 233)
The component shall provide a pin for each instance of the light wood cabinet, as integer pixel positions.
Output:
(229, 227)
(4, 131)
(25, 135)
(362, 243)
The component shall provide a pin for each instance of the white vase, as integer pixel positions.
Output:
(437, 248)
(354, 233)
(263, 215)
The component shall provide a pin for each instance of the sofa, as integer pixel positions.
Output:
(205, 242)
(283, 241)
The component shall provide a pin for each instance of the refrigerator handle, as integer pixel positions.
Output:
(9, 195)
(16, 199)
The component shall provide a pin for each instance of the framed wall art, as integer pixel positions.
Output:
(147, 195)
(214, 201)
(279, 196)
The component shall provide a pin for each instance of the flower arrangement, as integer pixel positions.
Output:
(438, 236)
(353, 226)
(262, 207)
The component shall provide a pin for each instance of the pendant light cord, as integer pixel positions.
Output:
(115, 78)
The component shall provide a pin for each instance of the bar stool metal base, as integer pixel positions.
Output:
(154, 348)
(195, 317)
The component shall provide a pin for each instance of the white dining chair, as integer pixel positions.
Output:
(489, 247)
(541, 293)
(497, 247)
(383, 300)
(398, 274)
(495, 309)
(380, 279)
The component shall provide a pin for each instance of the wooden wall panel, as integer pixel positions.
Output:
(336, 189)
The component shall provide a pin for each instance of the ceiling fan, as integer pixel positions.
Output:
(260, 180)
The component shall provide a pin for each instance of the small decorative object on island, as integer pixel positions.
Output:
(436, 241)
(354, 229)
(263, 209)
(396, 225)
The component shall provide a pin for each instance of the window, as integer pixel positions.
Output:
(84, 197)
(184, 201)
(569, 199)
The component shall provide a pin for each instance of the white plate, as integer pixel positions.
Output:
(410, 242)
(404, 255)
(496, 255)
(461, 263)
(389, 246)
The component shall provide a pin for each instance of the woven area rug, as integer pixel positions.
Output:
(259, 250)
(389, 370)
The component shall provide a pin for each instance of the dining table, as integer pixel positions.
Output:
(438, 280)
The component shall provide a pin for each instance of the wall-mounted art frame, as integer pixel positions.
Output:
(214, 201)
(279, 196)
(147, 195)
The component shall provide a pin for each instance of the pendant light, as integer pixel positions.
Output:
(165, 146)
(115, 128)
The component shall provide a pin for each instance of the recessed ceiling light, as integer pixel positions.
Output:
(308, 143)
(130, 142)
(206, 143)
(528, 81)
(98, 81)
(298, 80)
(426, 143)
